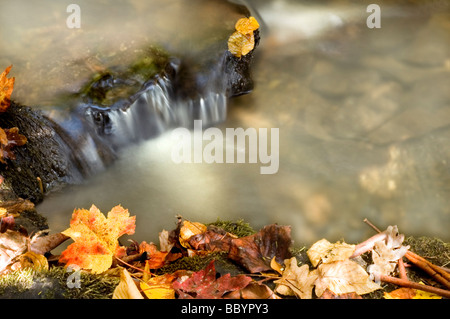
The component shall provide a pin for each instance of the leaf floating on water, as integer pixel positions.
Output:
(6, 89)
(96, 237)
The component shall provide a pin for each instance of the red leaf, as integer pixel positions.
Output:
(204, 285)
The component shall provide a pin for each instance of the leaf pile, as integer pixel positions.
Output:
(264, 265)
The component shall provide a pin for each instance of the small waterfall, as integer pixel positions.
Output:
(171, 99)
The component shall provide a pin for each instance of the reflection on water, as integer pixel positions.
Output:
(364, 119)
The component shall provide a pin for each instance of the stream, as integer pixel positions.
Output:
(363, 114)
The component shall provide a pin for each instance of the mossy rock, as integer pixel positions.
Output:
(55, 284)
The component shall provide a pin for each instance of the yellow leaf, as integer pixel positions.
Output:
(410, 293)
(126, 289)
(189, 229)
(33, 261)
(241, 44)
(6, 89)
(343, 277)
(327, 252)
(96, 237)
(246, 25)
(159, 287)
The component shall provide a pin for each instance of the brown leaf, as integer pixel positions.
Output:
(44, 244)
(328, 294)
(255, 252)
(295, 280)
(253, 290)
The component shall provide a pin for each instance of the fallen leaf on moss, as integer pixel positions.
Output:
(159, 287)
(6, 89)
(386, 253)
(253, 290)
(343, 277)
(204, 285)
(33, 260)
(127, 288)
(295, 280)
(96, 237)
(326, 252)
(410, 293)
(255, 252)
(328, 294)
(189, 229)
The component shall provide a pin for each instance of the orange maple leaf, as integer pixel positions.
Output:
(96, 237)
(6, 88)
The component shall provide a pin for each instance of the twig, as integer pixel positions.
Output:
(436, 272)
(414, 285)
(401, 269)
(371, 225)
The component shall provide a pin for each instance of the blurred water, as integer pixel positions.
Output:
(364, 120)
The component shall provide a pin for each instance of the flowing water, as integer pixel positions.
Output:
(363, 116)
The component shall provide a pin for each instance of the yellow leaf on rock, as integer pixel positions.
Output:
(327, 252)
(242, 41)
(126, 289)
(241, 44)
(246, 25)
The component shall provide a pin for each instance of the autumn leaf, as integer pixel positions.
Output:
(295, 280)
(324, 251)
(6, 89)
(246, 25)
(242, 41)
(386, 253)
(410, 293)
(189, 229)
(343, 277)
(204, 285)
(241, 44)
(126, 289)
(10, 138)
(96, 237)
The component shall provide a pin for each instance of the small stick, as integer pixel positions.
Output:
(429, 268)
(371, 225)
(402, 270)
(410, 284)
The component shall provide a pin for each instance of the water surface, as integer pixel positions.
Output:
(363, 116)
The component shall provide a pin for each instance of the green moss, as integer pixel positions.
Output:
(52, 284)
(238, 228)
